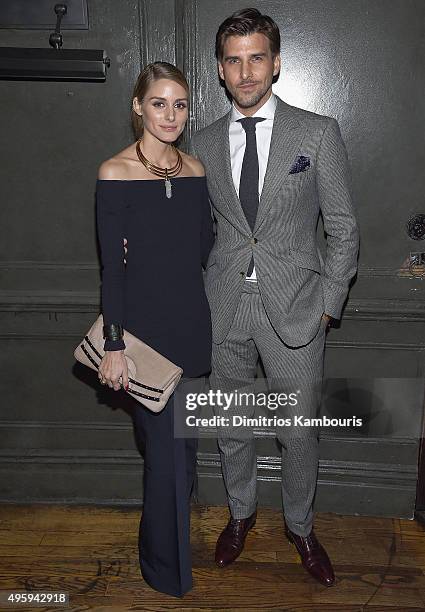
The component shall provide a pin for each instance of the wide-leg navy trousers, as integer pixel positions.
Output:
(169, 473)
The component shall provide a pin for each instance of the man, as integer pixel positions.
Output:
(271, 168)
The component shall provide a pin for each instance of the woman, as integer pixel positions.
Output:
(156, 197)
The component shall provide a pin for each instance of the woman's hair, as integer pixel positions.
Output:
(245, 22)
(151, 73)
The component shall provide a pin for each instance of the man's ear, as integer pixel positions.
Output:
(220, 70)
(136, 106)
(276, 65)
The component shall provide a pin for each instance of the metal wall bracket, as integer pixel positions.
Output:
(55, 39)
(55, 64)
(40, 15)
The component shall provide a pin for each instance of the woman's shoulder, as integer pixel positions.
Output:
(117, 167)
(110, 170)
(193, 165)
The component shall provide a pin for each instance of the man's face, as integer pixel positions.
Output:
(247, 68)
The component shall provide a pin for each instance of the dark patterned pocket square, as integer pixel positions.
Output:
(300, 164)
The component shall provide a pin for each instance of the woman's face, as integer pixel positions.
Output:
(164, 109)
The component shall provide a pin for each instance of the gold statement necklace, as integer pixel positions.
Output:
(165, 173)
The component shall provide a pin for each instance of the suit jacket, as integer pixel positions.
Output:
(307, 172)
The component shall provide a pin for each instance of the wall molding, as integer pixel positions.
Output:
(33, 264)
(335, 344)
(91, 425)
(89, 476)
(209, 432)
(359, 472)
(385, 308)
(383, 271)
(36, 456)
(32, 300)
(389, 346)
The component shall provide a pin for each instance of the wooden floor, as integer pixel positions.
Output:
(91, 552)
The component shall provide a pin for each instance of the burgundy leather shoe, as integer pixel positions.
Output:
(314, 557)
(232, 539)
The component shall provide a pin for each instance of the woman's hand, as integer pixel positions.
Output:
(112, 367)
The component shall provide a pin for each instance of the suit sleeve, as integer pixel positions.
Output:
(339, 219)
(110, 210)
(207, 227)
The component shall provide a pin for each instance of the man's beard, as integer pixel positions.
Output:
(252, 100)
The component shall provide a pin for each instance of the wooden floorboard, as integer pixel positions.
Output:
(91, 552)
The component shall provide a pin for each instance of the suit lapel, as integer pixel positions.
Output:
(222, 168)
(286, 138)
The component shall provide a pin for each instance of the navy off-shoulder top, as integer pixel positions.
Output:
(158, 295)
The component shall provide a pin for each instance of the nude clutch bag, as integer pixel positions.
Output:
(152, 378)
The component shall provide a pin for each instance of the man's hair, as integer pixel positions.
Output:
(244, 22)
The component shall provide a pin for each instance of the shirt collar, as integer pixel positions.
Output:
(267, 110)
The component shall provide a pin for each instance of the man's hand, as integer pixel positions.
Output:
(125, 249)
(327, 318)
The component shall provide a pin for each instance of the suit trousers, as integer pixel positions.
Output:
(169, 473)
(296, 370)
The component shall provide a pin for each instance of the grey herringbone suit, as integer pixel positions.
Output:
(295, 285)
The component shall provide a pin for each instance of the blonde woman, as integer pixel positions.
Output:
(156, 197)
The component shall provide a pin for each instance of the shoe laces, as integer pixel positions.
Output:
(235, 526)
(311, 542)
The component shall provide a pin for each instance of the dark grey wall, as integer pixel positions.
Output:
(60, 438)
(360, 61)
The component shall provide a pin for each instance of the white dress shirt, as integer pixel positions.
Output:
(237, 142)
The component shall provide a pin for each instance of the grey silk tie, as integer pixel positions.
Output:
(248, 185)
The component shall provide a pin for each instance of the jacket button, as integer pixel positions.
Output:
(242, 273)
(254, 240)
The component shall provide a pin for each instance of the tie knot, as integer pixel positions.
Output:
(249, 123)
